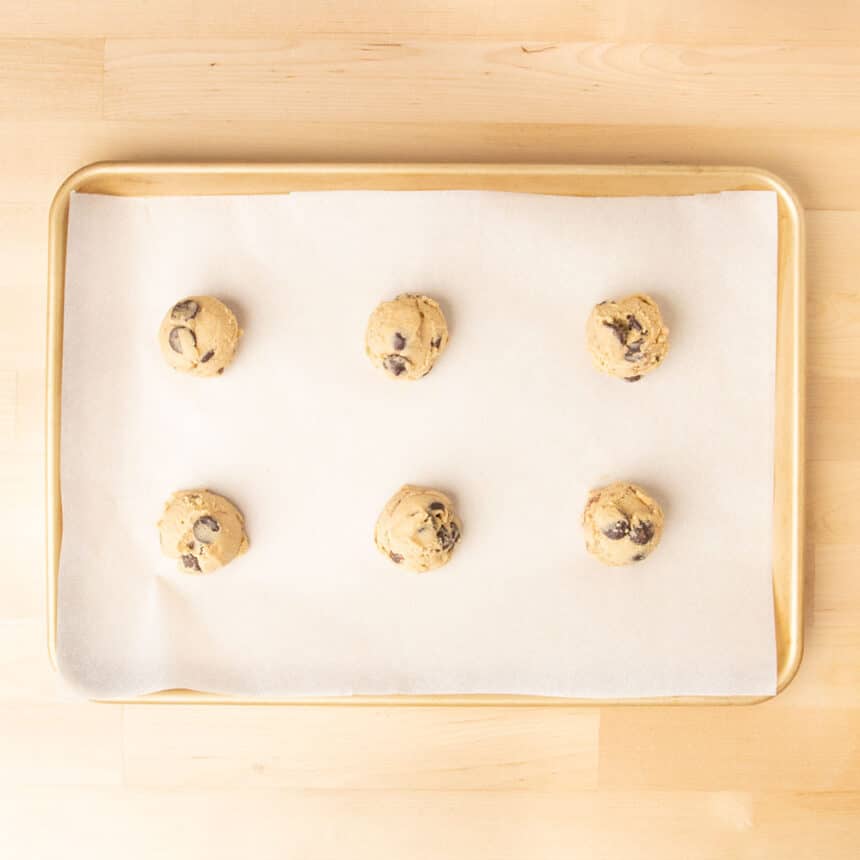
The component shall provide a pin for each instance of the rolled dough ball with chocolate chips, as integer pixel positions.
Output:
(202, 530)
(418, 528)
(199, 335)
(622, 524)
(406, 336)
(627, 338)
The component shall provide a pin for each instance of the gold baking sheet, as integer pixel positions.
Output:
(171, 178)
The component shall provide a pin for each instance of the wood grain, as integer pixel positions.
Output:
(24, 676)
(270, 823)
(718, 749)
(362, 748)
(596, 81)
(834, 418)
(55, 78)
(348, 78)
(831, 488)
(8, 407)
(540, 20)
(68, 744)
(544, 21)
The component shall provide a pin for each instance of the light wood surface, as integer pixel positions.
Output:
(776, 85)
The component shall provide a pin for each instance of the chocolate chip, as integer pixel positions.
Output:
(632, 378)
(455, 532)
(639, 557)
(189, 562)
(399, 341)
(394, 364)
(633, 323)
(447, 537)
(619, 328)
(395, 557)
(206, 356)
(185, 311)
(435, 506)
(436, 342)
(633, 352)
(205, 529)
(220, 370)
(181, 339)
(642, 532)
(617, 530)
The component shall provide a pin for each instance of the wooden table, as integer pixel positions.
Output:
(619, 81)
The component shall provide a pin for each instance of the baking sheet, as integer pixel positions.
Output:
(310, 441)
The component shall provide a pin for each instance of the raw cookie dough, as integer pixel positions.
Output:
(201, 529)
(627, 338)
(622, 523)
(199, 336)
(406, 336)
(418, 528)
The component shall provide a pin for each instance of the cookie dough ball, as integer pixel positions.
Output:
(405, 337)
(199, 335)
(418, 528)
(627, 338)
(202, 530)
(622, 524)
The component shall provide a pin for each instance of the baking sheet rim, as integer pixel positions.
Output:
(788, 582)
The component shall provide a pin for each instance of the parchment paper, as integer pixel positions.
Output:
(310, 441)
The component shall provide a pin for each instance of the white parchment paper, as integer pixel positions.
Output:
(310, 441)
